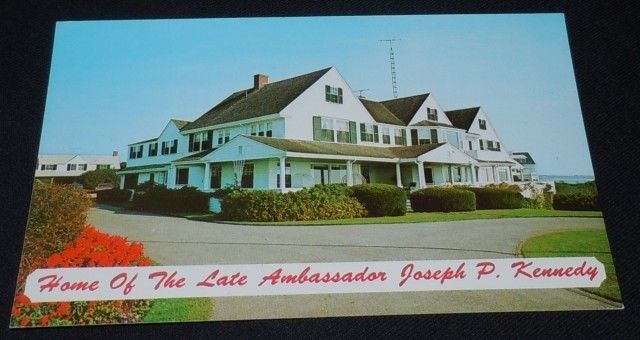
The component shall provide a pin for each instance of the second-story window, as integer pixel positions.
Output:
(49, 167)
(400, 137)
(169, 147)
(153, 149)
(386, 135)
(261, 129)
(432, 114)
(326, 129)
(481, 144)
(103, 166)
(82, 167)
(200, 141)
(223, 136)
(369, 132)
(342, 131)
(71, 167)
(333, 94)
(483, 124)
(135, 152)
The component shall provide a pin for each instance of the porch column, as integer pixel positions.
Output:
(283, 169)
(472, 175)
(122, 182)
(206, 183)
(421, 180)
(398, 175)
(171, 180)
(349, 173)
(450, 174)
(510, 175)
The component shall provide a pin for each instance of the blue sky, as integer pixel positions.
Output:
(117, 82)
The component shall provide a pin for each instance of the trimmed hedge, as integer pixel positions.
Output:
(442, 199)
(162, 200)
(113, 196)
(576, 201)
(381, 199)
(496, 198)
(319, 202)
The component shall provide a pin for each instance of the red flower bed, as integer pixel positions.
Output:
(91, 248)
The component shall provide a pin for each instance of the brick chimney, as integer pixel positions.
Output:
(260, 80)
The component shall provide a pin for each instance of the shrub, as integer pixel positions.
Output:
(223, 192)
(319, 202)
(162, 200)
(381, 199)
(569, 188)
(114, 196)
(576, 201)
(497, 198)
(538, 199)
(92, 178)
(504, 186)
(90, 249)
(442, 199)
(56, 216)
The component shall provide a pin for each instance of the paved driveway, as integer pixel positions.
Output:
(179, 241)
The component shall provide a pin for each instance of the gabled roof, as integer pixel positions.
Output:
(143, 167)
(145, 141)
(405, 108)
(246, 104)
(180, 123)
(380, 113)
(463, 118)
(90, 159)
(327, 148)
(431, 123)
(527, 157)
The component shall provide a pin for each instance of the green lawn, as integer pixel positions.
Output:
(578, 243)
(183, 309)
(414, 217)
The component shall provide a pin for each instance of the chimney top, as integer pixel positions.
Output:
(260, 80)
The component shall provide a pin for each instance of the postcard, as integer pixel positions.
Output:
(267, 168)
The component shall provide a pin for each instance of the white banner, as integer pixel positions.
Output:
(125, 283)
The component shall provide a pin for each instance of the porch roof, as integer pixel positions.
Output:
(195, 156)
(430, 123)
(142, 168)
(327, 148)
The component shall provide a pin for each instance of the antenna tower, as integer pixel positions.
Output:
(392, 61)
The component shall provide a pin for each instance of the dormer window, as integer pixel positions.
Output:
(333, 94)
(483, 124)
(224, 136)
(432, 114)
(153, 149)
(200, 141)
(170, 147)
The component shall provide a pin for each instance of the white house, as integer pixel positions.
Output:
(312, 129)
(528, 171)
(66, 168)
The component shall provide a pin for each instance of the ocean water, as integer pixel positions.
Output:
(567, 179)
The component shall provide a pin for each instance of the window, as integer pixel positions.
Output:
(333, 94)
(432, 114)
(470, 145)
(82, 167)
(497, 146)
(261, 129)
(369, 133)
(49, 167)
(287, 175)
(169, 147)
(269, 132)
(135, 152)
(434, 136)
(103, 166)
(342, 131)
(481, 144)
(414, 137)
(326, 129)
(71, 167)
(483, 124)
(200, 141)
(400, 137)
(224, 136)
(216, 177)
(490, 145)
(182, 176)
(247, 176)
(386, 135)
(338, 174)
(153, 149)
(452, 138)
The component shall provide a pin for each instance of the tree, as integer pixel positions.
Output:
(92, 178)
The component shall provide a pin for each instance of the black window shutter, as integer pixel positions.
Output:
(174, 147)
(434, 136)
(375, 134)
(404, 137)
(190, 142)
(362, 132)
(414, 136)
(316, 127)
(209, 139)
(353, 134)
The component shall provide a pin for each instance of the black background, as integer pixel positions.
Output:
(605, 51)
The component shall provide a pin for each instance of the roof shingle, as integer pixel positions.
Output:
(380, 113)
(463, 118)
(250, 103)
(405, 108)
